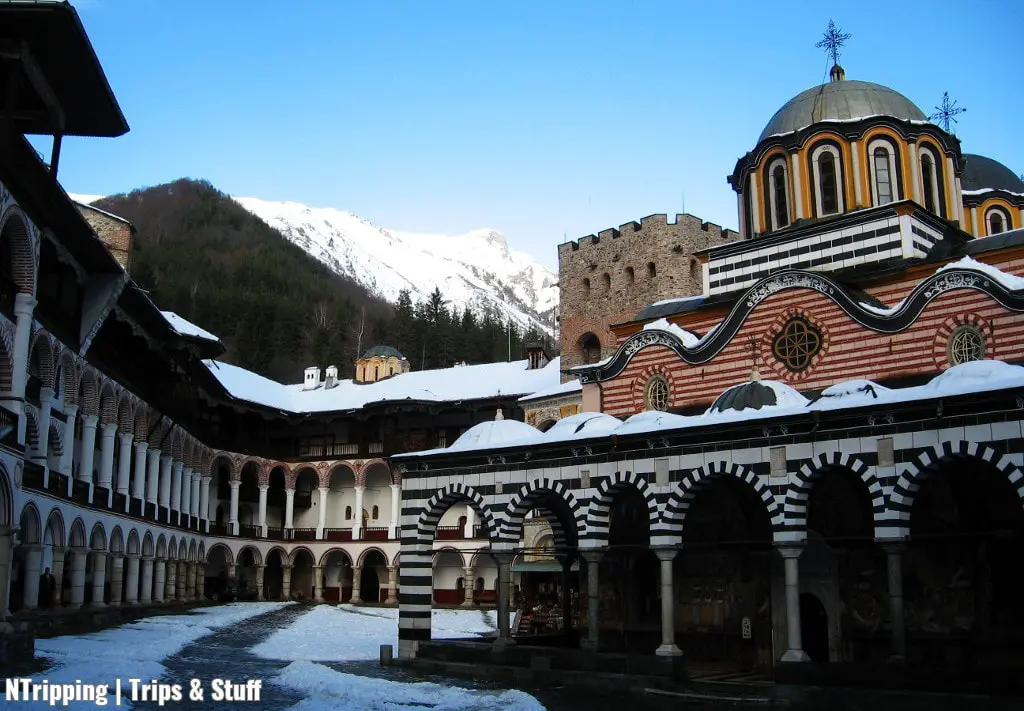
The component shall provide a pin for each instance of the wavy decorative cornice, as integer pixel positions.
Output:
(894, 321)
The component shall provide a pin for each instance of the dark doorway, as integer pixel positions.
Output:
(369, 588)
(814, 628)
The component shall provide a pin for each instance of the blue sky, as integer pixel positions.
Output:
(541, 119)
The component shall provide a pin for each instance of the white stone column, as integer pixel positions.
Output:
(260, 569)
(180, 580)
(504, 561)
(467, 587)
(186, 492)
(794, 643)
(233, 511)
(88, 448)
(668, 646)
(396, 511)
(147, 579)
(190, 582)
(392, 598)
(68, 455)
(204, 500)
(99, 577)
(261, 519)
(152, 475)
(894, 566)
(286, 582)
(470, 528)
(106, 475)
(116, 578)
(289, 507)
(322, 516)
(593, 638)
(201, 581)
(357, 518)
(357, 579)
(78, 577)
(175, 500)
(139, 476)
(24, 305)
(164, 500)
(915, 175)
(855, 152)
(196, 485)
(124, 463)
(57, 569)
(132, 592)
(46, 399)
(798, 185)
(163, 580)
(32, 569)
(6, 555)
(318, 583)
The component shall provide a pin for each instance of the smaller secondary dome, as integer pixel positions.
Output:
(981, 173)
(976, 374)
(757, 394)
(840, 100)
(382, 352)
(583, 424)
(495, 433)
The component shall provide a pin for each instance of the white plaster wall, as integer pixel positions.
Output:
(451, 516)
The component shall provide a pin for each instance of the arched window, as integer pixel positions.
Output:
(590, 348)
(462, 521)
(997, 220)
(778, 186)
(827, 168)
(606, 279)
(884, 172)
(929, 181)
(375, 513)
(376, 372)
(391, 370)
(651, 270)
(348, 513)
(629, 275)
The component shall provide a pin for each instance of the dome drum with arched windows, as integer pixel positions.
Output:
(993, 197)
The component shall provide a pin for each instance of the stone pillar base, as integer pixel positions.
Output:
(503, 642)
(668, 650)
(795, 655)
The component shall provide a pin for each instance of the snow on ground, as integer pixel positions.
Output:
(331, 690)
(134, 650)
(347, 633)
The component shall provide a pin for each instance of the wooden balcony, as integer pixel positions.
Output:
(275, 534)
(375, 533)
(338, 534)
(249, 531)
(57, 485)
(33, 476)
(80, 492)
(219, 529)
(450, 533)
(303, 534)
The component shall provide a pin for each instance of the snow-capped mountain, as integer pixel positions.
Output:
(476, 269)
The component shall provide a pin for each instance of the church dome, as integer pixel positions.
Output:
(981, 173)
(756, 394)
(840, 100)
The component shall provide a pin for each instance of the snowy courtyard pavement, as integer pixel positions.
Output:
(292, 650)
(350, 634)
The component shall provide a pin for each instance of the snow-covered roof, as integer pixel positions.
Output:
(1009, 281)
(689, 338)
(566, 388)
(494, 433)
(974, 377)
(467, 382)
(184, 327)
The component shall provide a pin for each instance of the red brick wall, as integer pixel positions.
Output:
(849, 350)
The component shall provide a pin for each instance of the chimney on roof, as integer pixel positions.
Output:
(837, 73)
(537, 356)
(311, 381)
(331, 377)
(499, 415)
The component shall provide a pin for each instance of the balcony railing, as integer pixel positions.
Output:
(135, 507)
(275, 534)
(57, 485)
(9, 419)
(375, 533)
(100, 497)
(33, 476)
(249, 531)
(303, 534)
(80, 492)
(219, 529)
(450, 533)
(338, 534)
(375, 447)
(479, 532)
(120, 501)
(325, 451)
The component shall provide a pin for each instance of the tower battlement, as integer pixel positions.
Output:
(606, 278)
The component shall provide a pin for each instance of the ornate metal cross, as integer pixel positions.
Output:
(946, 113)
(832, 40)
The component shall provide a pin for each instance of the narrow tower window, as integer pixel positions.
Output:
(883, 177)
(780, 200)
(827, 183)
(928, 181)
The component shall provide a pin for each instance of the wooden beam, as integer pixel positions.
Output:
(10, 49)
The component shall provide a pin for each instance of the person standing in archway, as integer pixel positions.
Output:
(47, 586)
